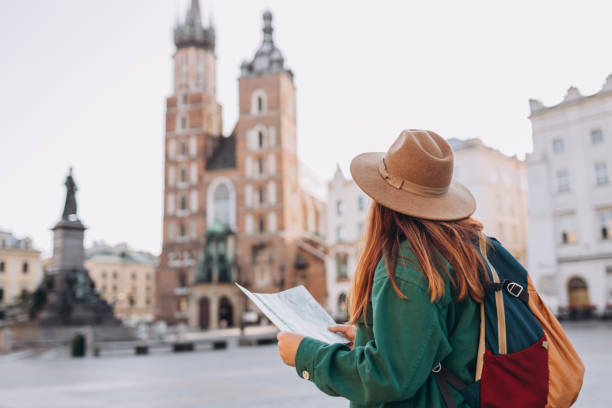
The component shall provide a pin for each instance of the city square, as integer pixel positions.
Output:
(235, 377)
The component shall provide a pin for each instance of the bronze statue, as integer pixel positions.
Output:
(71, 206)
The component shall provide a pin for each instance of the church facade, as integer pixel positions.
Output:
(234, 207)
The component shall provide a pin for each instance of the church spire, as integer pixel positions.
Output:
(193, 14)
(192, 33)
(268, 59)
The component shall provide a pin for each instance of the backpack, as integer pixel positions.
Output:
(524, 357)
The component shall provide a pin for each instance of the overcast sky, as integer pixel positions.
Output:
(82, 83)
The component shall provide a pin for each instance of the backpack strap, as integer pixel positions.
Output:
(443, 378)
(515, 289)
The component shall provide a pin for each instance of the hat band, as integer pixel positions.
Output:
(409, 186)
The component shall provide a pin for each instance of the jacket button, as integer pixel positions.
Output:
(305, 375)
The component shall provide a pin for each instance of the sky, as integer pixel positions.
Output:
(83, 83)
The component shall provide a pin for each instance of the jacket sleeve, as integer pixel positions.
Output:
(408, 338)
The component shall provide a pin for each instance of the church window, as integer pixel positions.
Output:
(272, 192)
(260, 139)
(193, 198)
(248, 195)
(171, 149)
(193, 146)
(170, 204)
(271, 225)
(182, 279)
(249, 224)
(24, 267)
(260, 166)
(258, 102)
(271, 163)
(171, 176)
(221, 204)
(261, 224)
(194, 231)
(194, 173)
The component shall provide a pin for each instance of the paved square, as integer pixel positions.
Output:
(236, 377)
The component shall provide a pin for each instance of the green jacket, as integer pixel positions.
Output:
(391, 363)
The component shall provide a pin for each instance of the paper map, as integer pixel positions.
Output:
(295, 310)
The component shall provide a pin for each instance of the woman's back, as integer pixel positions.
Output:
(410, 336)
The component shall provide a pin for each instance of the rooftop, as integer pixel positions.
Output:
(572, 96)
(118, 253)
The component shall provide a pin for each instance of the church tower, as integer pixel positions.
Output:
(272, 216)
(193, 131)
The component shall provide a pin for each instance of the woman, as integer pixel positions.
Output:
(416, 288)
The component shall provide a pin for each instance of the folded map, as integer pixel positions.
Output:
(295, 310)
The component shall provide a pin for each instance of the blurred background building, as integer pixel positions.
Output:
(347, 210)
(570, 199)
(20, 267)
(498, 182)
(125, 278)
(235, 209)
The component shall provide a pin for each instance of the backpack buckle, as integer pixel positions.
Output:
(514, 289)
(437, 368)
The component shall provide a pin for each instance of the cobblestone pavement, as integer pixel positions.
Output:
(236, 377)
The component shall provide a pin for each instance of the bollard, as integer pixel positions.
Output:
(77, 348)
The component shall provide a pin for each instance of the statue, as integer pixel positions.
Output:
(71, 206)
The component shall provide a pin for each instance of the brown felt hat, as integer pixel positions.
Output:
(415, 177)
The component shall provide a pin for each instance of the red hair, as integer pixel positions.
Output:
(453, 240)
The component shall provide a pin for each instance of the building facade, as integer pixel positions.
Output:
(570, 200)
(347, 210)
(499, 185)
(125, 278)
(234, 208)
(20, 267)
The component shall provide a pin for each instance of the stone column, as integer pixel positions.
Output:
(214, 311)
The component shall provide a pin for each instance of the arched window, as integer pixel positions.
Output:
(221, 203)
(259, 102)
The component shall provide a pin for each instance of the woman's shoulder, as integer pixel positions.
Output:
(407, 270)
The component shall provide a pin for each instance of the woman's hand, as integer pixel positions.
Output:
(347, 330)
(288, 344)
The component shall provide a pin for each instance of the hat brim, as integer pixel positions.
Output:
(457, 203)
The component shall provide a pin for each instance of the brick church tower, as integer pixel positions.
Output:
(242, 214)
(193, 129)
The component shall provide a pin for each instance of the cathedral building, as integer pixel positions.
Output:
(235, 209)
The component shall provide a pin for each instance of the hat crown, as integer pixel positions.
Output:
(421, 157)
